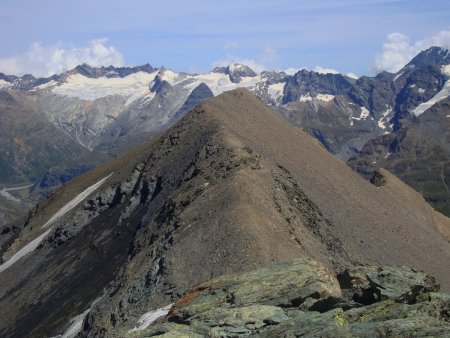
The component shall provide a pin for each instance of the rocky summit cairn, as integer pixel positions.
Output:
(303, 299)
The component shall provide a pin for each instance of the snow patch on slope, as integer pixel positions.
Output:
(305, 98)
(219, 82)
(397, 76)
(132, 86)
(74, 202)
(444, 93)
(45, 85)
(5, 192)
(76, 323)
(276, 91)
(169, 76)
(446, 70)
(363, 115)
(149, 317)
(5, 84)
(325, 97)
(35, 242)
(30, 247)
(385, 119)
(236, 67)
(319, 97)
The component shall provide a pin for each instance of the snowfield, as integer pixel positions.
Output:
(74, 202)
(219, 82)
(149, 317)
(4, 84)
(30, 247)
(443, 94)
(137, 85)
(276, 91)
(132, 86)
(319, 97)
(363, 115)
(76, 323)
(385, 119)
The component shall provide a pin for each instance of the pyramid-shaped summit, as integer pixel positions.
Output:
(231, 187)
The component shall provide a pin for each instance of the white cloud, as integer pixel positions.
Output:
(352, 75)
(231, 59)
(41, 60)
(398, 49)
(269, 56)
(292, 70)
(267, 59)
(323, 70)
(230, 45)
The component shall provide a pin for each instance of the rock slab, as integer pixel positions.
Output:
(302, 299)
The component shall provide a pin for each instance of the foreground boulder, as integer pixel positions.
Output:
(303, 299)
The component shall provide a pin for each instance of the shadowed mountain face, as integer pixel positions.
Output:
(29, 143)
(231, 187)
(418, 153)
(42, 153)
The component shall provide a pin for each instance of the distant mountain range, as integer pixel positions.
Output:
(88, 115)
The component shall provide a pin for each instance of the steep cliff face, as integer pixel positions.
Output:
(230, 188)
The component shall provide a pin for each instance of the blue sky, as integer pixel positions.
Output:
(351, 36)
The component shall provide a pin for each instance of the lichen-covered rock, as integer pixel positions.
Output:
(302, 299)
(284, 285)
(367, 285)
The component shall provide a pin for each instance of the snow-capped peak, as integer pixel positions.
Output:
(131, 86)
(236, 67)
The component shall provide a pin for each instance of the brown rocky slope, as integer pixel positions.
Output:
(231, 187)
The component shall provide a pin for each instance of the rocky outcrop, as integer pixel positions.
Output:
(305, 82)
(109, 72)
(374, 93)
(238, 71)
(432, 56)
(378, 179)
(301, 298)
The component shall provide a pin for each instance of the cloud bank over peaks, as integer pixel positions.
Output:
(322, 70)
(398, 49)
(267, 59)
(42, 60)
